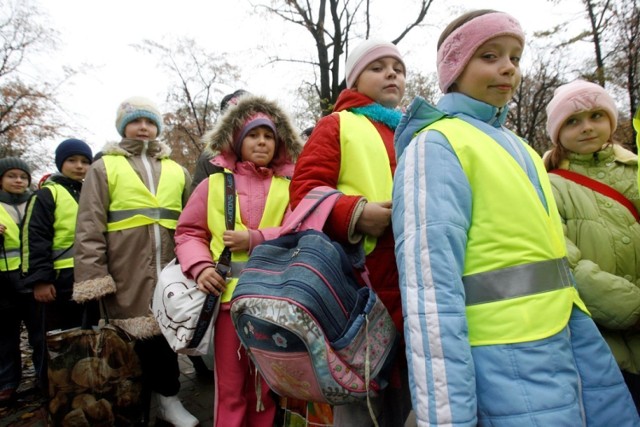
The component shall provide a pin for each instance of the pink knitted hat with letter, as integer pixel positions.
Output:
(576, 97)
(364, 54)
(458, 48)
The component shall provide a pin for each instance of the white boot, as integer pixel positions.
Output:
(170, 409)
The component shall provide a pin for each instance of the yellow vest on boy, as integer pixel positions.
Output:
(518, 285)
(64, 226)
(11, 242)
(132, 204)
(274, 210)
(364, 164)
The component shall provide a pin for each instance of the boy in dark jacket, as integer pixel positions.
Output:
(16, 304)
(48, 233)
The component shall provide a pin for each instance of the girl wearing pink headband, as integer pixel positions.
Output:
(496, 332)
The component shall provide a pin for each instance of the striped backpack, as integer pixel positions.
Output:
(311, 329)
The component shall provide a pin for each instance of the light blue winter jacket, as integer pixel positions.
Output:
(451, 382)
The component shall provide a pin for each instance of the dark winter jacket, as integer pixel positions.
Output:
(15, 205)
(38, 234)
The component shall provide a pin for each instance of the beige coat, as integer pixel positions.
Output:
(121, 267)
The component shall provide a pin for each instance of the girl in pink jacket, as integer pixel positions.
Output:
(256, 143)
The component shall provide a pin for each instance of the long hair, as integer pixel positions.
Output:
(555, 156)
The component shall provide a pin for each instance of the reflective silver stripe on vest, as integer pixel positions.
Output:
(236, 268)
(153, 213)
(59, 254)
(518, 281)
(13, 253)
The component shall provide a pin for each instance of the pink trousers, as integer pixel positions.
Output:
(237, 381)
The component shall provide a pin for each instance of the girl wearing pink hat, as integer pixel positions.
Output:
(352, 150)
(594, 183)
(496, 332)
(257, 145)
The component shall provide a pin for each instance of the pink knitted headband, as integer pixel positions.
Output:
(458, 48)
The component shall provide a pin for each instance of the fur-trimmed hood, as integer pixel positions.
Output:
(219, 141)
(133, 147)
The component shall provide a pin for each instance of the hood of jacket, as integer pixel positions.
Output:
(421, 114)
(134, 147)
(418, 115)
(349, 99)
(359, 103)
(611, 152)
(219, 141)
(59, 178)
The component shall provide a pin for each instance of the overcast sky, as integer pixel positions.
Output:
(100, 34)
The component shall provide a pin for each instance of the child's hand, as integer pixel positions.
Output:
(44, 292)
(236, 240)
(210, 282)
(3, 228)
(375, 218)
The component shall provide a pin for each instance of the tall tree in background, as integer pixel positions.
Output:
(625, 60)
(599, 14)
(614, 31)
(29, 111)
(306, 109)
(424, 85)
(527, 115)
(333, 24)
(202, 79)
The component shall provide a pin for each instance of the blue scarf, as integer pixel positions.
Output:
(376, 112)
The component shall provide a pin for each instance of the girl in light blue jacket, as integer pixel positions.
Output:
(547, 364)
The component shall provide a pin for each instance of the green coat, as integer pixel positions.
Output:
(603, 244)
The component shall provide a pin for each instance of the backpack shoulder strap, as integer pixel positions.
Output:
(312, 211)
(598, 186)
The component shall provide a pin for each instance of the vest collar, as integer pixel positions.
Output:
(457, 103)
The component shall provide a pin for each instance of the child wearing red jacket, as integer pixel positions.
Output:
(352, 150)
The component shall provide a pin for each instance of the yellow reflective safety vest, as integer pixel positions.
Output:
(518, 285)
(64, 226)
(636, 126)
(11, 242)
(274, 210)
(364, 164)
(132, 204)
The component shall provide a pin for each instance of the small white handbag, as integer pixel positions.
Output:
(177, 307)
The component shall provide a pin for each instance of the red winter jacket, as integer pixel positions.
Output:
(318, 165)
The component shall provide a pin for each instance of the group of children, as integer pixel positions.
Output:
(493, 264)
(37, 260)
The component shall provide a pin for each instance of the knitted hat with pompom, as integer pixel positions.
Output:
(135, 108)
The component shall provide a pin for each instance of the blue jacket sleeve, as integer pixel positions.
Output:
(431, 217)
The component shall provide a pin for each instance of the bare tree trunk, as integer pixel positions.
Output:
(596, 30)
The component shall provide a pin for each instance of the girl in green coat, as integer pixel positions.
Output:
(595, 185)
